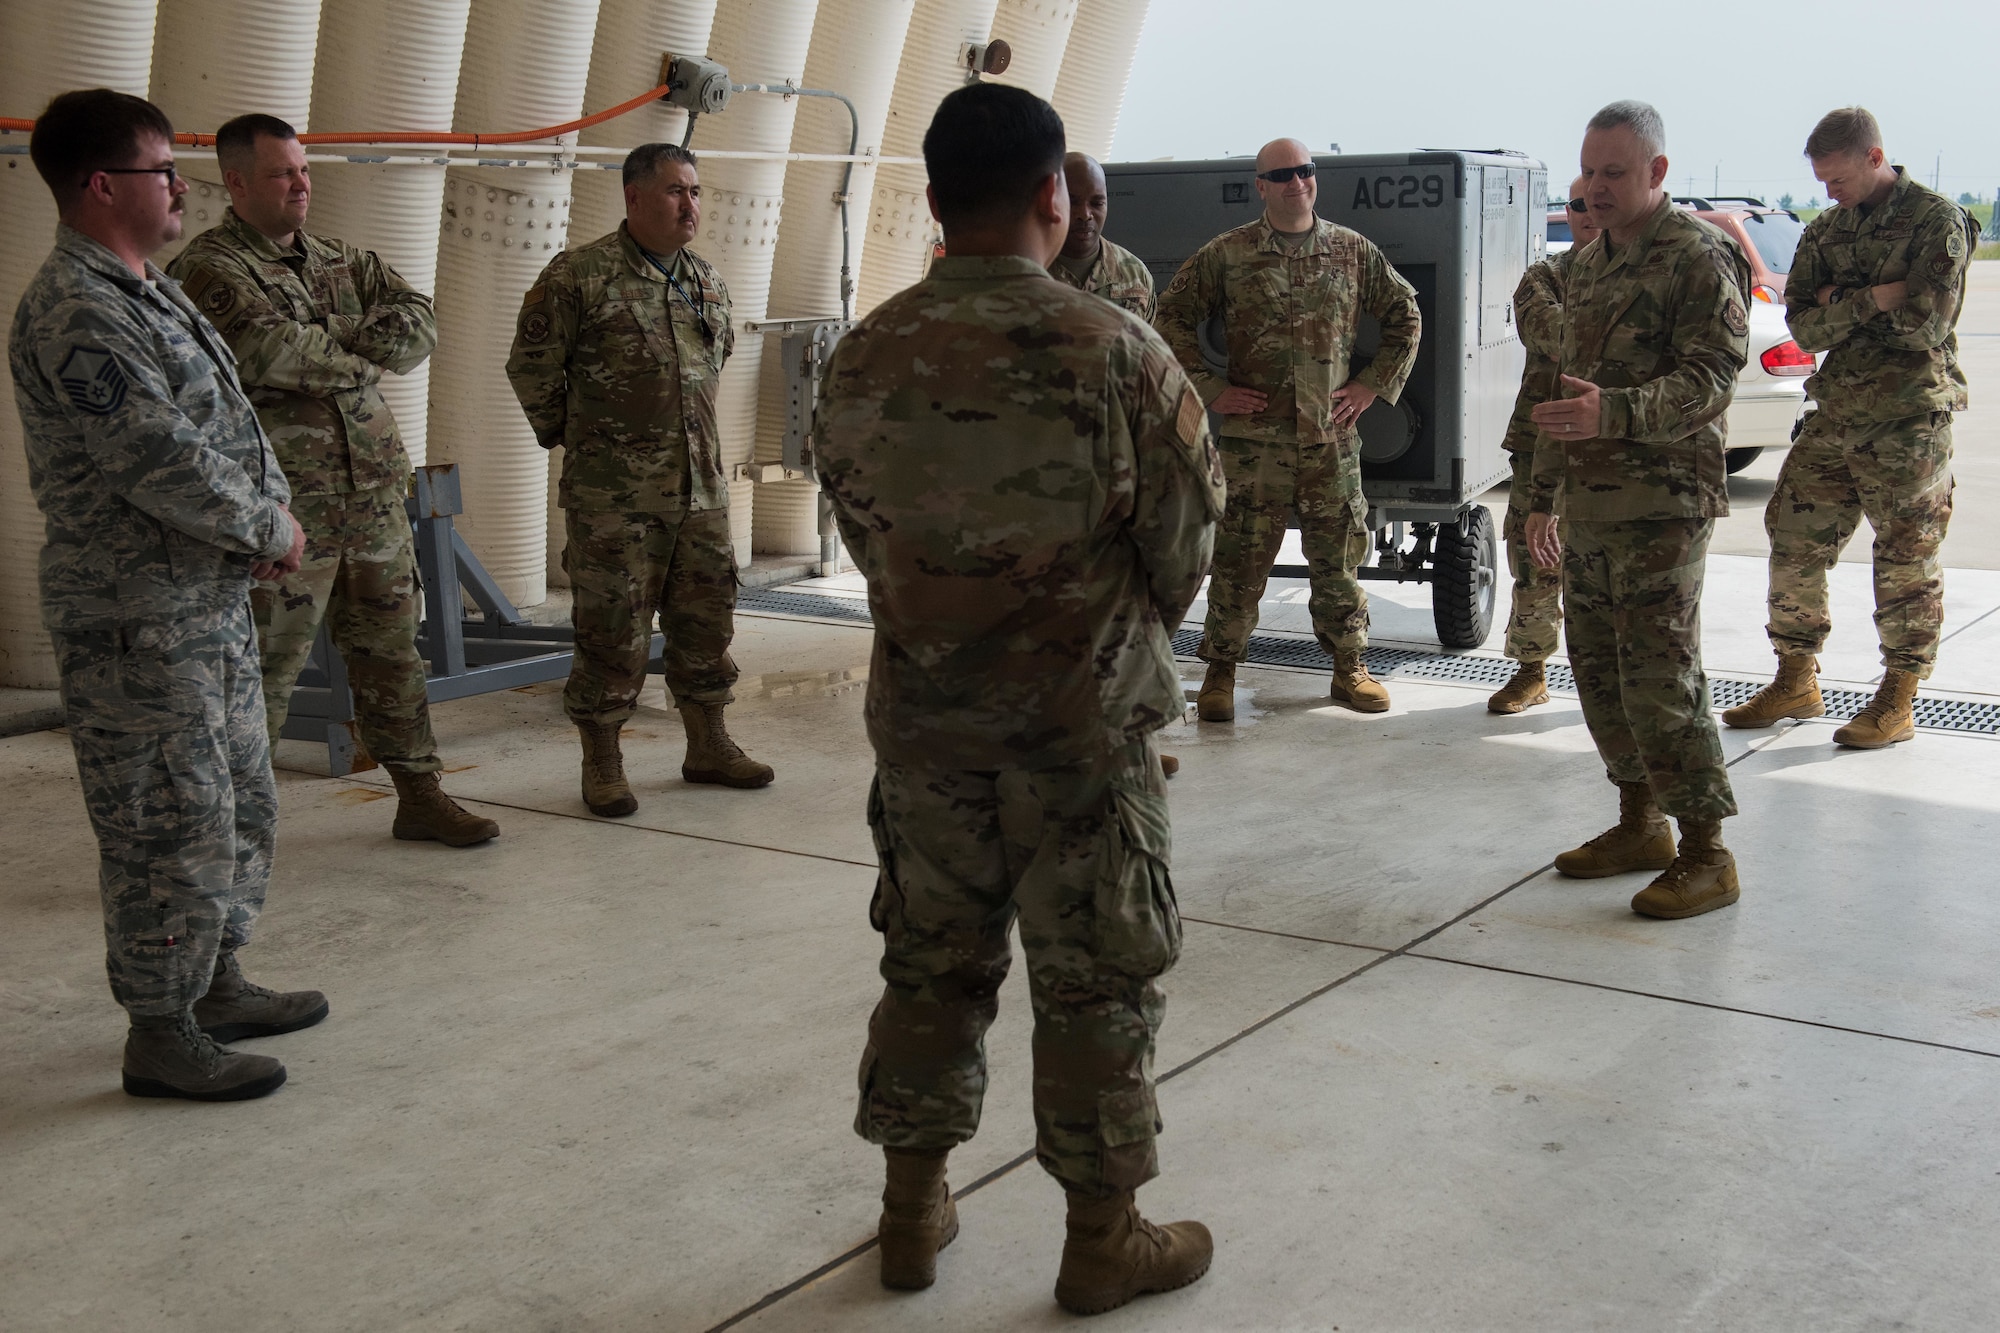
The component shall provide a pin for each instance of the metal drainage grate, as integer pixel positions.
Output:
(1268, 650)
(804, 604)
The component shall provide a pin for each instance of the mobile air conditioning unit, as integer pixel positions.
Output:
(1461, 227)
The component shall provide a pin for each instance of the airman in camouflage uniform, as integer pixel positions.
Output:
(617, 353)
(1877, 285)
(1534, 625)
(314, 323)
(1025, 478)
(161, 497)
(1090, 263)
(1654, 332)
(1290, 288)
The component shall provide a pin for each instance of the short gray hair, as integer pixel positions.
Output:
(1640, 118)
(643, 162)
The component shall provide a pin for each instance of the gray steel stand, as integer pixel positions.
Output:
(499, 649)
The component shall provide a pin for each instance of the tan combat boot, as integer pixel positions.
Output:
(1701, 879)
(712, 756)
(237, 1008)
(918, 1218)
(1353, 686)
(1793, 693)
(1217, 700)
(1889, 716)
(1169, 765)
(1112, 1254)
(172, 1057)
(605, 790)
(1640, 840)
(1530, 686)
(425, 813)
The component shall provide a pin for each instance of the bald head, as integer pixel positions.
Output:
(1288, 204)
(1282, 153)
(1088, 204)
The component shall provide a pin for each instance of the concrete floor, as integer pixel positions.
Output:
(598, 1075)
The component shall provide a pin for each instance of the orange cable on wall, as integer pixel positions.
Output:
(419, 136)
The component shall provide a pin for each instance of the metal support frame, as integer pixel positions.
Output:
(498, 649)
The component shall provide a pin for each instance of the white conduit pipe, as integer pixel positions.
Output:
(625, 54)
(856, 45)
(214, 60)
(524, 63)
(51, 46)
(1096, 66)
(1037, 30)
(900, 227)
(758, 41)
(388, 65)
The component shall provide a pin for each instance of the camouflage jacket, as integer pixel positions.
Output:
(1116, 275)
(313, 328)
(157, 487)
(1025, 478)
(1290, 322)
(619, 365)
(1660, 326)
(1538, 315)
(1884, 366)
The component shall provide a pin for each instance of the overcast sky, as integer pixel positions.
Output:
(1740, 84)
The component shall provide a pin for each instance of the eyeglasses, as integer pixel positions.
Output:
(1279, 175)
(171, 173)
(1579, 206)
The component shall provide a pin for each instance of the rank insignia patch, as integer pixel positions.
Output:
(92, 380)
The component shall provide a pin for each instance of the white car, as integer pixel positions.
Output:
(1770, 389)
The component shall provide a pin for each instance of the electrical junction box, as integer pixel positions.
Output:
(695, 84)
(1461, 227)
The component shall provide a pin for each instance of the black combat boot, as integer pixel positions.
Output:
(172, 1057)
(236, 1009)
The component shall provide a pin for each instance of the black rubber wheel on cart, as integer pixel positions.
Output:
(1465, 578)
(1735, 460)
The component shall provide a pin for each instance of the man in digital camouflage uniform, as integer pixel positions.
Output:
(1534, 624)
(1024, 476)
(1654, 331)
(1087, 261)
(617, 353)
(314, 323)
(1877, 285)
(162, 501)
(1290, 288)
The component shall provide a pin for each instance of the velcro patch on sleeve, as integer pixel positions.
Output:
(1734, 316)
(534, 296)
(1188, 420)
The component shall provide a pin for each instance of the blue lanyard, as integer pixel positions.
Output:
(667, 273)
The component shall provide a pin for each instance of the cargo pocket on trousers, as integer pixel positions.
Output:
(885, 908)
(1138, 926)
(1128, 1116)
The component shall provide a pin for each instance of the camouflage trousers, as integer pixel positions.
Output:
(1270, 482)
(1534, 626)
(623, 568)
(359, 577)
(1898, 474)
(167, 722)
(1632, 613)
(1079, 856)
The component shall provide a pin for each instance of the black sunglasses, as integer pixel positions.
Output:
(1578, 206)
(1279, 175)
(171, 173)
